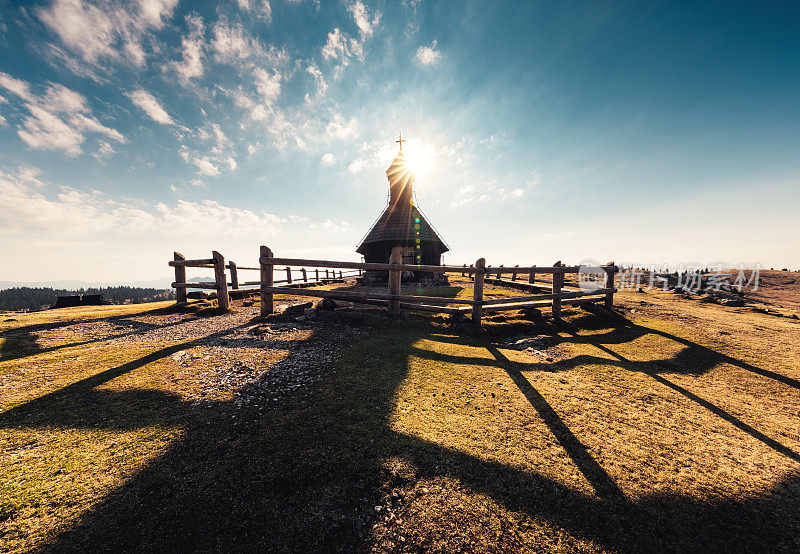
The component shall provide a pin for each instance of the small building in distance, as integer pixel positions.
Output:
(73, 300)
(402, 224)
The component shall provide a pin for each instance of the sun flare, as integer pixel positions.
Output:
(419, 157)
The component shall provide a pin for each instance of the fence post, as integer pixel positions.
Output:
(477, 293)
(289, 275)
(396, 258)
(514, 275)
(532, 275)
(340, 275)
(180, 277)
(558, 281)
(234, 275)
(463, 274)
(471, 275)
(326, 274)
(610, 285)
(219, 277)
(266, 281)
(305, 277)
(316, 274)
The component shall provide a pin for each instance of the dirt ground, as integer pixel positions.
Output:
(670, 425)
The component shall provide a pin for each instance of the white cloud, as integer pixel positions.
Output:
(104, 150)
(191, 64)
(375, 154)
(57, 119)
(210, 161)
(428, 55)
(16, 86)
(268, 85)
(59, 58)
(319, 80)
(3, 122)
(30, 175)
(148, 103)
(260, 8)
(468, 194)
(112, 30)
(221, 138)
(32, 207)
(153, 12)
(328, 159)
(330, 226)
(89, 123)
(197, 183)
(366, 23)
(340, 46)
(45, 131)
(231, 42)
(340, 128)
(61, 99)
(206, 166)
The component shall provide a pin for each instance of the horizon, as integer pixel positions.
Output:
(650, 134)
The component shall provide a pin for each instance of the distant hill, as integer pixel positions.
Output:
(74, 284)
(37, 298)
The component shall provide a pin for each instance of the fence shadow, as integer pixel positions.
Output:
(693, 359)
(305, 475)
(21, 344)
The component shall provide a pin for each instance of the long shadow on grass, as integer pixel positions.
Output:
(21, 344)
(306, 475)
(79, 404)
(68, 323)
(652, 369)
(694, 359)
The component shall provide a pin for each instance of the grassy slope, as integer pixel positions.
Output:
(662, 433)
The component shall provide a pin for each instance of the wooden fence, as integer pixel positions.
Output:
(561, 292)
(299, 277)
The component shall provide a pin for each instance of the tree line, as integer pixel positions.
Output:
(20, 298)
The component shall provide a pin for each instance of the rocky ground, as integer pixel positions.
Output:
(237, 356)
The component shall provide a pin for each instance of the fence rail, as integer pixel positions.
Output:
(299, 276)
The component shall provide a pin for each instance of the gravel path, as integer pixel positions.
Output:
(258, 362)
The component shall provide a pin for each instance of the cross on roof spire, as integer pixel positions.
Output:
(401, 141)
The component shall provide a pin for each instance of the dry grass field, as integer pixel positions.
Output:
(672, 425)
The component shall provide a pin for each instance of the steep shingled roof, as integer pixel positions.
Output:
(398, 225)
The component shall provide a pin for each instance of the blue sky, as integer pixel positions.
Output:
(643, 132)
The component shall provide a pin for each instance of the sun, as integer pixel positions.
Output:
(419, 156)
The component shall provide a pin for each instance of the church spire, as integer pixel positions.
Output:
(401, 179)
